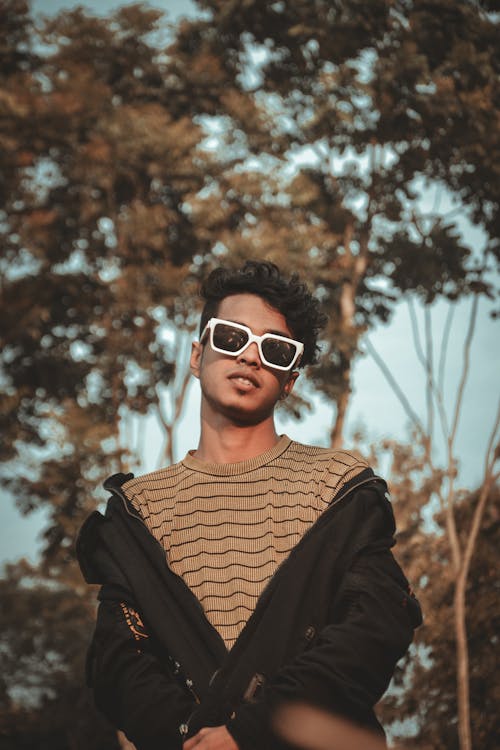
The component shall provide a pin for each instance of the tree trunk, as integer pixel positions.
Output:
(336, 435)
(462, 651)
(356, 265)
(460, 609)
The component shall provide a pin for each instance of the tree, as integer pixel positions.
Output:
(45, 630)
(97, 245)
(114, 191)
(461, 515)
(393, 110)
(98, 158)
(423, 701)
(128, 166)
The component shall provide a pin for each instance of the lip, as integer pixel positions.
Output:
(247, 375)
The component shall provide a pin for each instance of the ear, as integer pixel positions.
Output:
(195, 359)
(288, 387)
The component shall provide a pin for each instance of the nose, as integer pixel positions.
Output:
(250, 356)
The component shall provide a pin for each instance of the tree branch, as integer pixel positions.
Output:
(415, 333)
(429, 389)
(488, 480)
(465, 371)
(460, 592)
(444, 346)
(395, 387)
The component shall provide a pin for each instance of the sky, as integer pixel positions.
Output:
(374, 407)
(174, 8)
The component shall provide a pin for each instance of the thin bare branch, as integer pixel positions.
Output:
(491, 456)
(416, 223)
(182, 394)
(465, 371)
(443, 419)
(394, 385)
(444, 346)
(159, 413)
(415, 333)
(451, 524)
(429, 360)
(175, 394)
(432, 388)
(141, 437)
(165, 425)
(486, 486)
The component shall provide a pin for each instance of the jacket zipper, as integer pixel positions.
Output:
(119, 493)
(355, 487)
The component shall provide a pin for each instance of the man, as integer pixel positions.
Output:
(255, 572)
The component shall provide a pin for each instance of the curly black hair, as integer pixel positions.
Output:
(289, 296)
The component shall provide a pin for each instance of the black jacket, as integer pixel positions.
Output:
(328, 628)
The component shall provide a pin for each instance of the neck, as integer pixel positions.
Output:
(224, 442)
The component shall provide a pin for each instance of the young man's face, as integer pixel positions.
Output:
(243, 388)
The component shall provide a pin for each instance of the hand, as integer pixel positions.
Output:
(211, 738)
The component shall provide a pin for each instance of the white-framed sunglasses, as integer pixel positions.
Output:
(232, 339)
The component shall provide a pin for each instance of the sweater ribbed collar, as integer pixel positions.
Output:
(239, 467)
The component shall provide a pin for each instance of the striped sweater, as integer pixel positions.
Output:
(225, 528)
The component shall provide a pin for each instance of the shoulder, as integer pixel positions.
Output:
(159, 485)
(333, 468)
(332, 460)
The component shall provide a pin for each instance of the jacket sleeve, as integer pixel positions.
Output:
(132, 687)
(350, 663)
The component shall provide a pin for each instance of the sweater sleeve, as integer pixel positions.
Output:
(351, 660)
(132, 688)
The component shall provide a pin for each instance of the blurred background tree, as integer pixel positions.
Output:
(44, 627)
(368, 136)
(100, 154)
(421, 708)
(459, 529)
(358, 146)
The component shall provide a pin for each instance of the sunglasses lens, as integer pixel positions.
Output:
(228, 338)
(278, 352)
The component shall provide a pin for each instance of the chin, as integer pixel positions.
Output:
(246, 414)
(248, 418)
